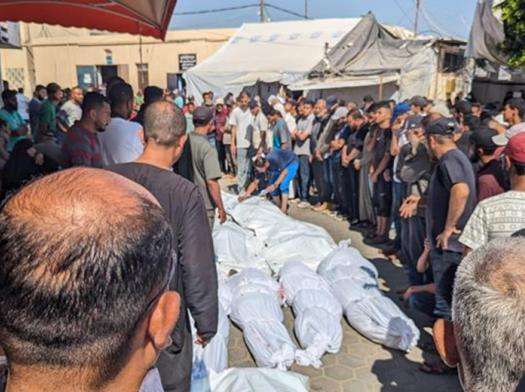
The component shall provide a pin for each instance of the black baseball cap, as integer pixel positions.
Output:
(203, 114)
(443, 126)
(482, 138)
(419, 101)
(414, 122)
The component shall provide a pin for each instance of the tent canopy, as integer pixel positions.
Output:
(146, 17)
(281, 52)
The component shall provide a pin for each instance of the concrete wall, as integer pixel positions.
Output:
(56, 53)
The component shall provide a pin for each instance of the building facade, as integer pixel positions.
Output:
(87, 58)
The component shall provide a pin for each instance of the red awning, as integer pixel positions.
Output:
(146, 17)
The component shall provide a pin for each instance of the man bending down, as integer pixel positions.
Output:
(273, 174)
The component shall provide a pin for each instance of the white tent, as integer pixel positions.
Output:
(282, 52)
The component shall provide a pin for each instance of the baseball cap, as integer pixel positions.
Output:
(418, 101)
(368, 98)
(399, 109)
(484, 138)
(414, 122)
(340, 112)
(503, 138)
(443, 126)
(219, 101)
(516, 148)
(331, 101)
(202, 114)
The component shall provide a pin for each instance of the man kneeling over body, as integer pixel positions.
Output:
(86, 260)
(274, 173)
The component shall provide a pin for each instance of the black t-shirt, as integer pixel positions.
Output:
(452, 168)
(357, 138)
(196, 279)
(382, 145)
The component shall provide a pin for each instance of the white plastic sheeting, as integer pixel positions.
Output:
(317, 313)
(256, 307)
(257, 380)
(277, 238)
(353, 280)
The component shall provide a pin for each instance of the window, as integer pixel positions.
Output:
(143, 76)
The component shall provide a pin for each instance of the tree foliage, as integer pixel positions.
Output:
(513, 15)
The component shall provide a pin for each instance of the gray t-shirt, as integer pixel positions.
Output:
(205, 164)
(73, 112)
(305, 124)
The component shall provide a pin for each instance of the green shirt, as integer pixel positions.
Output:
(48, 116)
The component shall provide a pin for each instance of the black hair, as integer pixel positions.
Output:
(93, 100)
(519, 104)
(73, 296)
(520, 168)
(308, 102)
(8, 94)
(39, 87)
(52, 89)
(152, 94)
(274, 112)
(120, 93)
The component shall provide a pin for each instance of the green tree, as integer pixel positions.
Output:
(513, 16)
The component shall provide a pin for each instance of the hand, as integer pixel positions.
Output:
(410, 291)
(409, 207)
(39, 159)
(318, 155)
(201, 341)
(422, 262)
(386, 175)
(357, 164)
(242, 198)
(270, 188)
(442, 239)
(374, 177)
(222, 215)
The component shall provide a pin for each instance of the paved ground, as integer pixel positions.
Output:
(360, 365)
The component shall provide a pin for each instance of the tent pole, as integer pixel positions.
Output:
(380, 87)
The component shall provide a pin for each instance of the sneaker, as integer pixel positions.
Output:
(303, 204)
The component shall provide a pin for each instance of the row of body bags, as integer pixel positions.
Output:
(259, 235)
(345, 283)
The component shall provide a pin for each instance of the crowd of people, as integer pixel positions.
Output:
(428, 182)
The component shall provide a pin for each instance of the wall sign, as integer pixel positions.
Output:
(187, 61)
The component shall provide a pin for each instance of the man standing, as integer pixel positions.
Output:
(22, 104)
(281, 139)
(260, 131)
(514, 115)
(196, 276)
(39, 96)
(302, 150)
(241, 146)
(219, 123)
(206, 168)
(451, 200)
(502, 215)
(81, 146)
(47, 116)
(9, 113)
(72, 108)
(123, 139)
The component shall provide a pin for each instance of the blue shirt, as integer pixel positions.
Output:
(281, 159)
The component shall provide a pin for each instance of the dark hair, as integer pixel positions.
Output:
(113, 81)
(152, 94)
(52, 89)
(471, 121)
(274, 112)
(8, 94)
(308, 102)
(356, 115)
(21, 90)
(72, 296)
(119, 94)
(519, 104)
(93, 100)
(520, 168)
(39, 87)
(519, 233)
(260, 161)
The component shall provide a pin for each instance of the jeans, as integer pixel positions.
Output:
(398, 194)
(328, 178)
(423, 302)
(304, 177)
(243, 167)
(444, 266)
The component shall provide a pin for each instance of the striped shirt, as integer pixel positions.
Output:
(81, 148)
(496, 217)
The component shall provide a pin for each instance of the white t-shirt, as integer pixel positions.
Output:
(496, 217)
(242, 120)
(260, 124)
(23, 103)
(290, 122)
(73, 112)
(121, 142)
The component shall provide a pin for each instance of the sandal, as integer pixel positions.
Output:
(437, 369)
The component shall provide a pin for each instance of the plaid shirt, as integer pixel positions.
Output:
(81, 148)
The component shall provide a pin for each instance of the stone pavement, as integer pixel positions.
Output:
(360, 365)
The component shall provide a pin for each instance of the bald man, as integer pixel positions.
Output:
(86, 264)
(196, 276)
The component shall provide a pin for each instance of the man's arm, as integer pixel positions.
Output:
(199, 274)
(381, 167)
(233, 146)
(215, 193)
(459, 194)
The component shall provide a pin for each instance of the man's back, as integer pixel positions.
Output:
(81, 148)
(196, 274)
(121, 142)
(496, 217)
